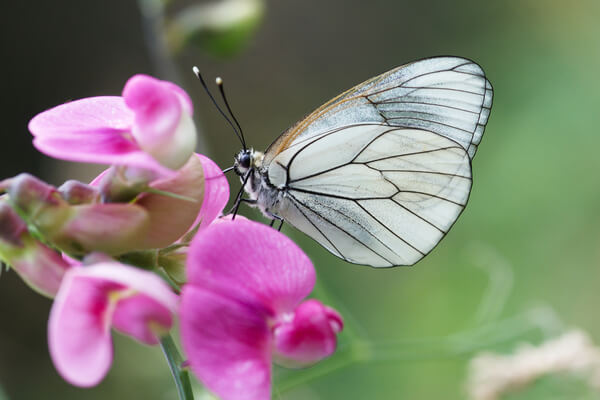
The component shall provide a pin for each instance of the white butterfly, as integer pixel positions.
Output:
(379, 174)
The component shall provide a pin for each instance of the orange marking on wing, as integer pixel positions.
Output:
(297, 129)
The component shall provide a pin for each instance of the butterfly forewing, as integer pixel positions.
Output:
(449, 96)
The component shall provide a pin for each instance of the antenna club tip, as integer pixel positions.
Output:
(219, 80)
(196, 70)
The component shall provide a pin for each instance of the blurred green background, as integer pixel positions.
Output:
(521, 264)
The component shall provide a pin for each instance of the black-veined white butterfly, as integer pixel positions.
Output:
(379, 174)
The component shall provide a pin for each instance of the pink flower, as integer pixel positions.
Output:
(149, 127)
(90, 301)
(241, 308)
(199, 179)
(170, 218)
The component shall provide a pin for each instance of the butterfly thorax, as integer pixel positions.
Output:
(249, 167)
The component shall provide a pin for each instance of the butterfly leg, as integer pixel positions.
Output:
(232, 209)
(238, 198)
(235, 207)
(275, 217)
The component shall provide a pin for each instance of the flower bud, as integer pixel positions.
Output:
(113, 228)
(306, 336)
(32, 196)
(117, 184)
(75, 192)
(12, 227)
(39, 266)
(38, 202)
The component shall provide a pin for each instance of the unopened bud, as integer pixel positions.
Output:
(39, 203)
(307, 335)
(32, 195)
(122, 184)
(11, 225)
(40, 267)
(113, 228)
(75, 192)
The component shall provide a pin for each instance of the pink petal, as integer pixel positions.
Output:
(92, 130)
(99, 148)
(79, 330)
(81, 316)
(171, 218)
(112, 228)
(41, 268)
(227, 344)
(158, 120)
(307, 336)
(184, 98)
(141, 281)
(216, 192)
(157, 109)
(84, 117)
(73, 262)
(249, 258)
(142, 318)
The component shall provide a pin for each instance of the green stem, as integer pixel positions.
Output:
(181, 376)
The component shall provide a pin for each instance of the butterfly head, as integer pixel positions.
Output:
(247, 159)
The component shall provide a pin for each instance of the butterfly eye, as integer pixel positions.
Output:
(244, 160)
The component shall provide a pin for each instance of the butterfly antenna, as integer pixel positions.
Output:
(219, 82)
(199, 76)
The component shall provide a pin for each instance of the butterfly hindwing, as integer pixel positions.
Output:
(373, 194)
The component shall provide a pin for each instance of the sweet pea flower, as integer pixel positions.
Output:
(150, 127)
(242, 307)
(90, 301)
(72, 218)
(200, 179)
(204, 190)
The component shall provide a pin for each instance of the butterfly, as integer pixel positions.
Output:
(380, 173)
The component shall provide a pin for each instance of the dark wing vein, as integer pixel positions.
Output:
(348, 233)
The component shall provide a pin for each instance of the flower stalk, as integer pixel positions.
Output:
(180, 375)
